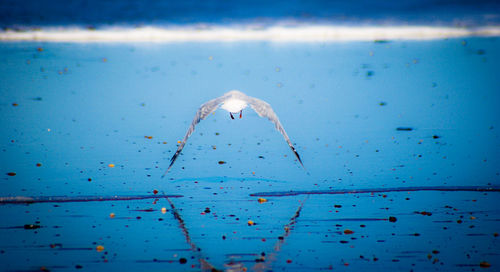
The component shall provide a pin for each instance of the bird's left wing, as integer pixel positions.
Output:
(201, 114)
(263, 109)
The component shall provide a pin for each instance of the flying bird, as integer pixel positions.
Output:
(234, 102)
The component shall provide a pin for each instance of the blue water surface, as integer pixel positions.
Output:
(361, 115)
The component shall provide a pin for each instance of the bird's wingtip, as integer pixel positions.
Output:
(298, 158)
(303, 166)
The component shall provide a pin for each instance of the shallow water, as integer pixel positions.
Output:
(77, 108)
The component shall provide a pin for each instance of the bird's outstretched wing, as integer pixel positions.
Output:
(201, 114)
(263, 109)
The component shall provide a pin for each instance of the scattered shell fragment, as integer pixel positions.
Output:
(484, 264)
(348, 231)
(262, 200)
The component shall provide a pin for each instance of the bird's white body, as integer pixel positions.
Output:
(234, 105)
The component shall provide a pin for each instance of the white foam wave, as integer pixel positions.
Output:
(310, 33)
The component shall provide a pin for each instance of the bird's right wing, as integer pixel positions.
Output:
(263, 109)
(201, 114)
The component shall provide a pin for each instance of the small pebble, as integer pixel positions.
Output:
(404, 129)
(484, 264)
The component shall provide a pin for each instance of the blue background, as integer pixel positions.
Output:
(96, 13)
(75, 108)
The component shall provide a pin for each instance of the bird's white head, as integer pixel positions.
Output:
(234, 103)
(234, 92)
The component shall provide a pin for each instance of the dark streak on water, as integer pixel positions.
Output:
(383, 190)
(155, 261)
(60, 199)
(346, 219)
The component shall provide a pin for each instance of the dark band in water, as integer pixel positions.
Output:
(383, 190)
(59, 199)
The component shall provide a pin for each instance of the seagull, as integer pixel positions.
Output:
(234, 102)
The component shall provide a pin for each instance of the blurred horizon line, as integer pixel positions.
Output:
(248, 32)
